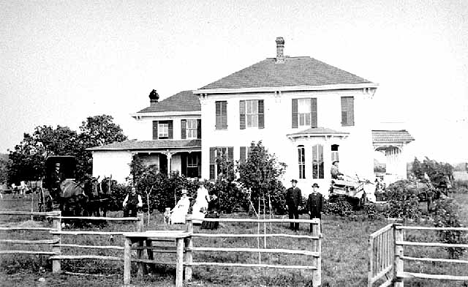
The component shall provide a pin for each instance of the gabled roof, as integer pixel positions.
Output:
(391, 136)
(184, 101)
(134, 145)
(295, 71)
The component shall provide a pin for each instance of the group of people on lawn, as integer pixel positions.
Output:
(202, 204)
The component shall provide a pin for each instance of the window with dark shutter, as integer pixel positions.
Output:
(243, 154)
(261, 115)
(294, 114)
(170, 130)
(221, 115)
(347, 111)
(212, 162)
(242, 115)
(183, 129)
(199, 129)
(313, 112)
(155, 130)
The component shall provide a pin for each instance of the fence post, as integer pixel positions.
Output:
(371, 261)
(140, 225)
(57, 225)
(316, 247)
(188, 246)
(398, 262)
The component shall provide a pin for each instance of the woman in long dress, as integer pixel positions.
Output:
(181, 209)
(200, 207)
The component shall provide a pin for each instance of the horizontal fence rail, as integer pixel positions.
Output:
(314, 266)
(379, 249)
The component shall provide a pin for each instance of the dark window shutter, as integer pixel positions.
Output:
(184, 161)
(294, 114)
(230, 155)
(261, 115)
(351, 111)
(243, 151)
(155, 130)
(218, 115)
(347, 111)
(313, 112)
(242, 115)
(170, 129)
(212, 162)
(221, 115)
(224, 110)
(183, 129)
(198, 129)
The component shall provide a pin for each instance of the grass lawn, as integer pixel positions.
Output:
(344, 257)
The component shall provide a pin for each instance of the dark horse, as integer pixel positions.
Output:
(99, 200)
(73, 196)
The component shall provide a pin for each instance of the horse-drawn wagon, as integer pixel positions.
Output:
(61, 190)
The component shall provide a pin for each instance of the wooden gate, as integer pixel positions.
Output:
(381, 255)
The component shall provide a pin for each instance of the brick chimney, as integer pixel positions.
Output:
(154, 97)
(279, 50)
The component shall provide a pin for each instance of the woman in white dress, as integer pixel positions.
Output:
(200, 207)
(181, 209)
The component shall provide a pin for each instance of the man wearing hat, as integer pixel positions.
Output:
(315, 204)
(293, 200)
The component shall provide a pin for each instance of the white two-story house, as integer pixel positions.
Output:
(306, 112)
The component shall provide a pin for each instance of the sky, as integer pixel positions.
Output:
(63, 61)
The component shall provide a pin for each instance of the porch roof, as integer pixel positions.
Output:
(318, 132)
(134, 145)
(391, 136)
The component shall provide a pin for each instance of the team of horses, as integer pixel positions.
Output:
(87, 197)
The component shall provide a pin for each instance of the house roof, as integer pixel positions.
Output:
(184, 101)
(319, 131)
(135, 145)
(295, 71)
(391, 136)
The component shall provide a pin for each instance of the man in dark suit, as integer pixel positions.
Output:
(315, 204)
(293, 200)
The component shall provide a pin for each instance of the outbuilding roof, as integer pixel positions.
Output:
(391, 136)
(184, 101)
(294, 71)
(134, 145)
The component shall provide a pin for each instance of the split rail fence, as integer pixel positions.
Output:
(52, 237)
(315, 253)
(387, 255)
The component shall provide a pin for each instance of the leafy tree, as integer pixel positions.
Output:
(95, 131)
(162, 190)
(260, 174)
(28, 158)
(436, 171)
